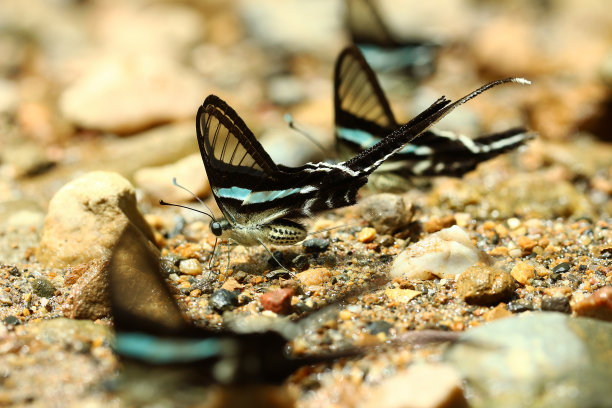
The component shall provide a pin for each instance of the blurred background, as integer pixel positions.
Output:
(115, 85)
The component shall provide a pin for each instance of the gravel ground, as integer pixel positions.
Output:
(75, 97)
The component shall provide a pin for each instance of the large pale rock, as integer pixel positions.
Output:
(539, 359)
(421, 386)
(444, 254)
(130, 94)
(86, 218)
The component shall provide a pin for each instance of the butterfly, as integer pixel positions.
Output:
(385, 53)
(151, 332)
(262, 202)
(363, 118)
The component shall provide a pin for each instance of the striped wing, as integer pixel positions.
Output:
(364, 118)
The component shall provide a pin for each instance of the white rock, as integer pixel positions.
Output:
(444, 254)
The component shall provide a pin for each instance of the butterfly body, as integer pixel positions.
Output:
(278, 232)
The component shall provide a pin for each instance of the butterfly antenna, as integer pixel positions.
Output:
(292, 125)
(194, 196)
(162, 202)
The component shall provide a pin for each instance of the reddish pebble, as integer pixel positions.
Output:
(277, 301)
(598, 305)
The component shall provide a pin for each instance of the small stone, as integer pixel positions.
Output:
(444, 254)
(89, 296)
(300, 262)
(523, 272)
(436, 224)
(315, 244)
(385, 212)
(314, 276)
(527, 244)
(232, 285)
(556, 304)
(277, 301)
(366, 235)
(598, 305)
(387, 240)
(562, 267)
(5, 299)
(190, 267)
(43, 288)
(484, 285)
(421, 386)
(379, 326)
(520, 306)
(401, 295)
(514, 223)
(11, 320)
(222, 300)
(498, 312)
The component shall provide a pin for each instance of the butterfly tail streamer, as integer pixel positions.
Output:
(394, 142)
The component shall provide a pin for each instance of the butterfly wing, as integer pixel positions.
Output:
(247, 185)
(362, 112)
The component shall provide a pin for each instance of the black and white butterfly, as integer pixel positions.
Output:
(363, 118)
(262, 201)
(152, 334)
(383, 51)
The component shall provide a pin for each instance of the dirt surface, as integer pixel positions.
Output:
(115, 86)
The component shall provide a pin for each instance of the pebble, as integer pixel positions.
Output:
(315, 244)
(5, 299)
(86, 218)
(222, 300)
(125, 95)
(300, 262)
(597, 305)
(562, 267)
(523, 272)
(421, 386)
(43, 287)
(314, 276)
(444, 254)
(484, 285)
(542, 359)
(402, 295)
(498, 312)
(190, 267)
(385, 212)
(366, 235)
(556, 304)
(89, 296)
(379, 326)
(278, 301)
(156, 182)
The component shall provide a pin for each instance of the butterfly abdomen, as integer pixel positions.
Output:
(284, 232)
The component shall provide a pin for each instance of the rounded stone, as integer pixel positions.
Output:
(86, 217)
(385, 212)
(222, 300)
(484, 285)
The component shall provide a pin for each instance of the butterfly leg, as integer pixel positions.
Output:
(273, 257)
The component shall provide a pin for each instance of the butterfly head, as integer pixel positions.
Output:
(218, 226)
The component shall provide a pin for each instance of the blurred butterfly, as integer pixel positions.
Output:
(363, 118)
(261, 201)
(383, 51)
(153, 338)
